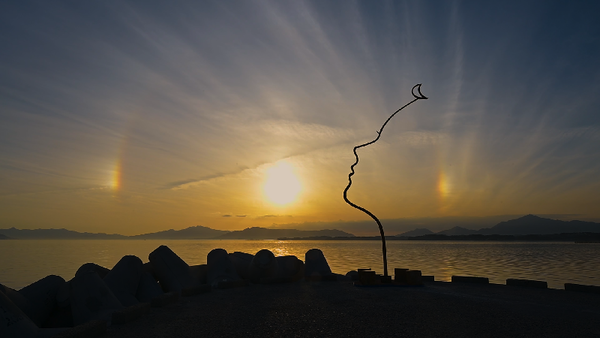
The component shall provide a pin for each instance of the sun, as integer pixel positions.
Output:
(281, 186)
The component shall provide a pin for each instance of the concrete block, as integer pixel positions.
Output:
(41, 298)
(130, 313)
(62, 315)
(199, 273)
(172, 272)
(92, 299)
(582, 288)
(92, 267)
(401, 276)
(469, 279)
(15, 297)
(13, 322)
(352, 275)
(63, 295)
(527, 283)
(291, 269)
(148, 268)
(90, 329)
(263, 266)
(242, 261)
(414, 277)
(428, 278)
(220, 268)
(59, 318)
(367, 277)
(315, 264)
(148, 288)
(124, 278)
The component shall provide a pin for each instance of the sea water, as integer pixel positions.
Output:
(25, 261)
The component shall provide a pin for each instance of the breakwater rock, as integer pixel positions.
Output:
(98, 296)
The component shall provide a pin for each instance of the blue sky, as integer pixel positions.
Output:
(132, 117)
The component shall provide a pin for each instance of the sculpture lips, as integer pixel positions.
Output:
(420, 96)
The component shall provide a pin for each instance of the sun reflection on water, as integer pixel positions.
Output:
(280, 249)
(556, 263)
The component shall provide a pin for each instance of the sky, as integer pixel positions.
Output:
(139, 116)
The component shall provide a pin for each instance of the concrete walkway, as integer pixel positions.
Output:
(339, 309)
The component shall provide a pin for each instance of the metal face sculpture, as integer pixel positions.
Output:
(418, 96)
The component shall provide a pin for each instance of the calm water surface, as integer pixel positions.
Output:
(25, 261)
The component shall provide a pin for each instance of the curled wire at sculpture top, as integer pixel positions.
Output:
(418, 96)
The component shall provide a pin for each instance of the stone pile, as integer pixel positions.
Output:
(97, 296)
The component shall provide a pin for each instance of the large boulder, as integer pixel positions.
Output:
(315, 265)
(172, 272)
(124, 278)
(41, 298)
(91, 299)
(263, 268)
(220, 268)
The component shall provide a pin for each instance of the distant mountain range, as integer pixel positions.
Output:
(457, 231)
(3, 237)
(532, 224)
(526, 225)
(264, 233)
(197, 232)
(55, 234)
(416, 232)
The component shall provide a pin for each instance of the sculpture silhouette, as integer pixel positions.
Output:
(418, 96)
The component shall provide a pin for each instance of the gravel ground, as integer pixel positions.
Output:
(339, 309)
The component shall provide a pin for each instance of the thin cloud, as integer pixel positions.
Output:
(274, 216)
(185, 184)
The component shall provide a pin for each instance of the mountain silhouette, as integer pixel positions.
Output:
(197, 232)
(526, 225)
(457, 231)
(264, 233)
(55, 234)
(531, 224)
(416, 232)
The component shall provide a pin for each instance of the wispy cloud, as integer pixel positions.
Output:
(206, 95)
